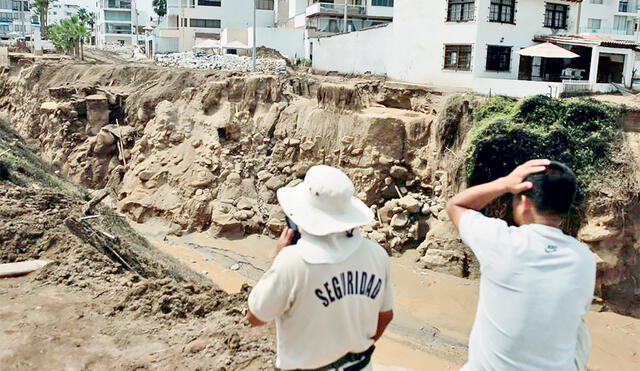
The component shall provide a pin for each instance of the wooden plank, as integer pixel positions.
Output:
(21, 268)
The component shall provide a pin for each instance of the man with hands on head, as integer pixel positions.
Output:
(536, 282)
(330, 293)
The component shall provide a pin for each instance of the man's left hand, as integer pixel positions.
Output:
(286, 237)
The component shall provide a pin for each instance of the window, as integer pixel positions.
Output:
(461, 10)
(596, 1)
(555, 15)
(20, 5)
(502, 11)
(498, 58)
(620, 23)
(594, 23)
(382, 3)
(205, 23)
(264, 4)
(4, 28)
(623, 7)
(5, 4)
(8, 17)
(457, 57)
(209, 2)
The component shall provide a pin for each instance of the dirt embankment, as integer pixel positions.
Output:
(207, 150)
(107, 297)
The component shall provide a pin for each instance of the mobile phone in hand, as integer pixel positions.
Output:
(296, 232)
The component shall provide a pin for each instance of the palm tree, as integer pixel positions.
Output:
(42, 10)
(69, 35)
(160, 7)
(79, 32)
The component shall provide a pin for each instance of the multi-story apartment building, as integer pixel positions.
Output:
(188, 21)
(476, 44)
(115, 22)
(323, 17)
(61, 10)
(16, 19)
(617, 19)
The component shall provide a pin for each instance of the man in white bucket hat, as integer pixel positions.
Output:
(330, 294)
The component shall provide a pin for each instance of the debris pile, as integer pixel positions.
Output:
(144, 302)
(222, 62)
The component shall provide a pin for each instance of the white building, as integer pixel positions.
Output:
(189, 22)
(613, 18)
(474, 44)
(323, 17)
(114, 22)
(16, 19)
(61, 10)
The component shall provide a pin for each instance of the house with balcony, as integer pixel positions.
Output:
(16, 19)
(192, 22)
(115, 22)
(330, 17)
(61, 10)
(324, 17)
(617, 19)
(477, 45)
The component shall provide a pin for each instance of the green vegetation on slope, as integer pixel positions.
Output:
(580, 133)
(20, 166)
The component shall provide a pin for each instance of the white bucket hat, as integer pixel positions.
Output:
(324, 203)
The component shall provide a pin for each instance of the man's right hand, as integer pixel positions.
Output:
(514, 182)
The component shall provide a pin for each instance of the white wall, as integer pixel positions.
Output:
(417, 51)
(380, 11)
(355, 52)
(297, 7)
(289, 42)
(232, 14)
(605, 12)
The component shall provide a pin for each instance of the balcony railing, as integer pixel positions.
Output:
(606, 31)
(330, 25)
(336, 9)
(115, 4)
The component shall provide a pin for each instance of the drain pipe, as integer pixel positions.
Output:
(578, 18)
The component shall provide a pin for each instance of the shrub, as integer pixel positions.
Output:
(581, 133)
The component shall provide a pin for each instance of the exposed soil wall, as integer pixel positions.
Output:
(207, 150)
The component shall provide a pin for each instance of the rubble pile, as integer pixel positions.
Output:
(222, 62)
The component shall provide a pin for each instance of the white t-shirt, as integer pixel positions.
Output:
(536, 284)
(324, 311)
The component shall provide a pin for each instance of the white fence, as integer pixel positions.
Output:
(355, 52)
(164, 45)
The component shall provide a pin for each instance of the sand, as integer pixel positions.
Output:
(434, 312)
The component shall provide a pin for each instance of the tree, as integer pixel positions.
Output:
(42, 10)
(69, 35)
(87, 17)
(160, 7)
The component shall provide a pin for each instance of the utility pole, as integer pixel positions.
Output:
(135, 21)
(346, 6)
(254, 35)
(22, 17)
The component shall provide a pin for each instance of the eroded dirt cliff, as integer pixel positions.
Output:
(207, 150)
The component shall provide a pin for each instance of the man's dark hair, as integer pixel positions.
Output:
(553, 190)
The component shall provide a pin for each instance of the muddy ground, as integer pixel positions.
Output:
(89, 310)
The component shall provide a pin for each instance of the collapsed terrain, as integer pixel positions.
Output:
(206, 150)
(108, 298)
